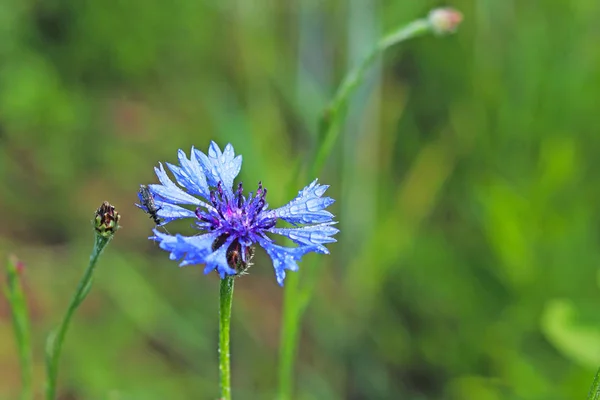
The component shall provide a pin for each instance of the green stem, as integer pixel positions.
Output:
(297, 296)
(226, 297)
(595, 389)
(333, 116)
(289, 336)
(57, 337)
(20, 317)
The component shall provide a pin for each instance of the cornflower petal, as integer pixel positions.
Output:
(166, 211)
(190, 175)
(168, 191)
(308, 207)
(189, 249)
(284, 258)
(312, 235)
(220, 166)
(170, 212)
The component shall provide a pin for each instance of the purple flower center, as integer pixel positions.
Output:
(242, 217)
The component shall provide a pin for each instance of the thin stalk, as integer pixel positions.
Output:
(57, 337)
(595, 389)
(20, 317)
(297, 296)
(291, 317)
(226, 297)
(333, 116)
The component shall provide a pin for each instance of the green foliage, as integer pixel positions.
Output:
(466, 184)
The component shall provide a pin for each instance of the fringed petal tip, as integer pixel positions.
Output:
(308, 207)
(284, 258)
(311, 235)
(220, 166)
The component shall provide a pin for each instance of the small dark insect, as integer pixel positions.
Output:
(148, 202)
(234, 254)
(234, 257)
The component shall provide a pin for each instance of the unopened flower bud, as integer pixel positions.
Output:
(444, 20)
(16, 264)
(106, 220)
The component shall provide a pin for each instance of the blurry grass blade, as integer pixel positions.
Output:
(595, 389)
(415, 201)
(562, 326)
(20, 316)
(149, 307)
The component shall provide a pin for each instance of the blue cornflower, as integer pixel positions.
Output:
(232, 223)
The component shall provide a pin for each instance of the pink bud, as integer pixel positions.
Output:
(20, 266)
(444, 20)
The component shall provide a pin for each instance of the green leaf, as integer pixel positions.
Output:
(575, 340)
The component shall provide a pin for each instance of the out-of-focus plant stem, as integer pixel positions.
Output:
(57, 337)
(297, 295)
(20, 316)
(595, 389)
(334, 114)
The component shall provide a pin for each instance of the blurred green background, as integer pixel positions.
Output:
(467, 263)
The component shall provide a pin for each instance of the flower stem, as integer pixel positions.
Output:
(334, 113)
(297, 296)
(289, 336)
(20, 316)
(595, 389)
(226, 297)
(57, 337)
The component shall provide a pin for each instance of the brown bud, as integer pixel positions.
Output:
(106, 220)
